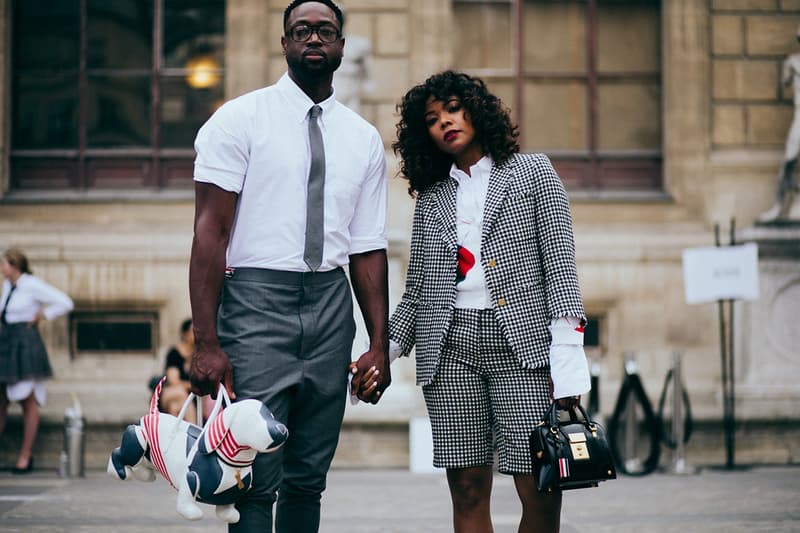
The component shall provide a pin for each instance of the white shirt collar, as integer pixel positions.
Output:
(484, 165)
(299, 102)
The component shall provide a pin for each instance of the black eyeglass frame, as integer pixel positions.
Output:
(313, 29)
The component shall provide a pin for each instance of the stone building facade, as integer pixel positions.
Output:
(663, 118)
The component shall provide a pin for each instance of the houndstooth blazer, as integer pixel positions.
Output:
(527, 254)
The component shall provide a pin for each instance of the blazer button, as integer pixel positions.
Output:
(492, 263)
(501, 302)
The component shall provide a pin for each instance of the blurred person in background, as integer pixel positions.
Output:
(177, 386)
(24, 365)
(176, 368)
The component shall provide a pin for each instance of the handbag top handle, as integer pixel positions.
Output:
(552, 415)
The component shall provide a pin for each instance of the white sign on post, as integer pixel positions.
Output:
(720, 273)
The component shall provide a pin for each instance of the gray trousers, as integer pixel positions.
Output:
(289, 337)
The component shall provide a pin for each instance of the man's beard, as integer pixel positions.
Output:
(310, 70)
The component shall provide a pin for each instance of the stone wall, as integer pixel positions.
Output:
(750, 108)
(106, 256)
(724, 119)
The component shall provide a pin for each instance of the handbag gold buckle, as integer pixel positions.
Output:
(577, 444)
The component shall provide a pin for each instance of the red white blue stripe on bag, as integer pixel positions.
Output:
(219, 438)
(563, 468)
(150, 423)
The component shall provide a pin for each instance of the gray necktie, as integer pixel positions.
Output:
(315, 201)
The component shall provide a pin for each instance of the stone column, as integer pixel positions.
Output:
(428, 47)
(247, 36)
(686, 100)
(431, 37)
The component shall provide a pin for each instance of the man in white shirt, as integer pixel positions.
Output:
(271, 305)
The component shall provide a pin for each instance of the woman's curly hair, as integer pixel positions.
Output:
(421, 162)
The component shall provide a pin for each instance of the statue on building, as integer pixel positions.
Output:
(353, 79)
(787, 204)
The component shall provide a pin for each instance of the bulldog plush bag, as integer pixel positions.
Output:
(212, 464)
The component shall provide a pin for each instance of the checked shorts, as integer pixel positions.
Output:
(482, 398)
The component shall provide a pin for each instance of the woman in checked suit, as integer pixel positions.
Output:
(492, 301)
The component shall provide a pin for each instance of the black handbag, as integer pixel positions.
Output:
(570, 455)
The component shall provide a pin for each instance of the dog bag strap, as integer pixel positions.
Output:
(222, 396)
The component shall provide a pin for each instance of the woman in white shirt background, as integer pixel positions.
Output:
(24, 365)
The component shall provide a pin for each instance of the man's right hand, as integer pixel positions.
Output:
(210, 367)
(372, 375)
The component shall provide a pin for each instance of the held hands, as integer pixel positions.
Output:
(367, 387)
(210, 366)
(370, 375)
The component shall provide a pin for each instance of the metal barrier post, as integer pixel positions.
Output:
(72, 456)
(678, 464)
(634, 464)
(594, 396)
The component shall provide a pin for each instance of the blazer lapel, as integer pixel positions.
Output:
(498, 186)
(444, 202)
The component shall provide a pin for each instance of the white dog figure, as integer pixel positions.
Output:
(212, 464)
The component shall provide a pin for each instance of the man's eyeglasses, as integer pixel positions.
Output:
(302, 32)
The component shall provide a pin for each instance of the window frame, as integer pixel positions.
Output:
(113, 314)
(591, 169)
(151, 167)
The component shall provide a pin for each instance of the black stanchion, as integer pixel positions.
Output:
(725, 308)
(594, 397)
(681, 422)
(632, 393)
(669, 438)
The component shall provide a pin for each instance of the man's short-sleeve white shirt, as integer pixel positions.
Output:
(257, 146)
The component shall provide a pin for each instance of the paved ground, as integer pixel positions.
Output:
(763, 499)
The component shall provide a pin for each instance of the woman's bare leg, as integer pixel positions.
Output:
(30, 418)
(3, 408)
(541, 513)
(470, 491)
